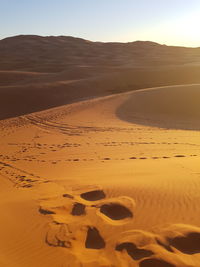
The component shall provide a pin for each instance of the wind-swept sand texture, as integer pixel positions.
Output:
(106, 182)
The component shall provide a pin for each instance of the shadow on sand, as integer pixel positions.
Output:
(170, 107)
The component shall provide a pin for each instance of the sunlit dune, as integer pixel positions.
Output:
(99, 133)
(110, 181)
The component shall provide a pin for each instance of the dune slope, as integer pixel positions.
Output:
(38, 73)
(168, 107)
(87, 184)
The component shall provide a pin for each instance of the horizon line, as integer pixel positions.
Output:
(96, 41)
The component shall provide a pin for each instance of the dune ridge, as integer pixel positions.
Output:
(38, 73)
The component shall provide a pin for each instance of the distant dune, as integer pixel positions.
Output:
(55, 54)
(38, 73)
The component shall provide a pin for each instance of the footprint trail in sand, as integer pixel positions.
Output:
(104, 191)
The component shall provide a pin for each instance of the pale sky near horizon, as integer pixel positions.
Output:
(171, 22)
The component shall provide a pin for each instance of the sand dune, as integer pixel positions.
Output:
(38, 73)
(103, 182)
(168, 107)
(55, 54)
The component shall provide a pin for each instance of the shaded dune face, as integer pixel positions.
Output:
(116, 211)
(175, 107)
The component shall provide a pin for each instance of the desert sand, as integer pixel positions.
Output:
(38, 73)
(106, 182)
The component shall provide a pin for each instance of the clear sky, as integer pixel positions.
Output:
(172, 22)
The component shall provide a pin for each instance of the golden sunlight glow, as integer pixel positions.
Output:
(181, 31)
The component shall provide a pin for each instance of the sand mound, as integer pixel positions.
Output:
(168, 107)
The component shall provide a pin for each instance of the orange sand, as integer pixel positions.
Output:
(105, 182)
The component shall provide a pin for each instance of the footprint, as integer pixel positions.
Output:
(45, 211)
(189, 244)
(93, 195)
(116, 211)
(134, 252)
(67, 230)
(94, 239)
(106, 158)
(68, 196)
(155, 263)
(78, 209)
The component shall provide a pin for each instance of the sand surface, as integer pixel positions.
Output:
(38, 73)
(105, 182)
